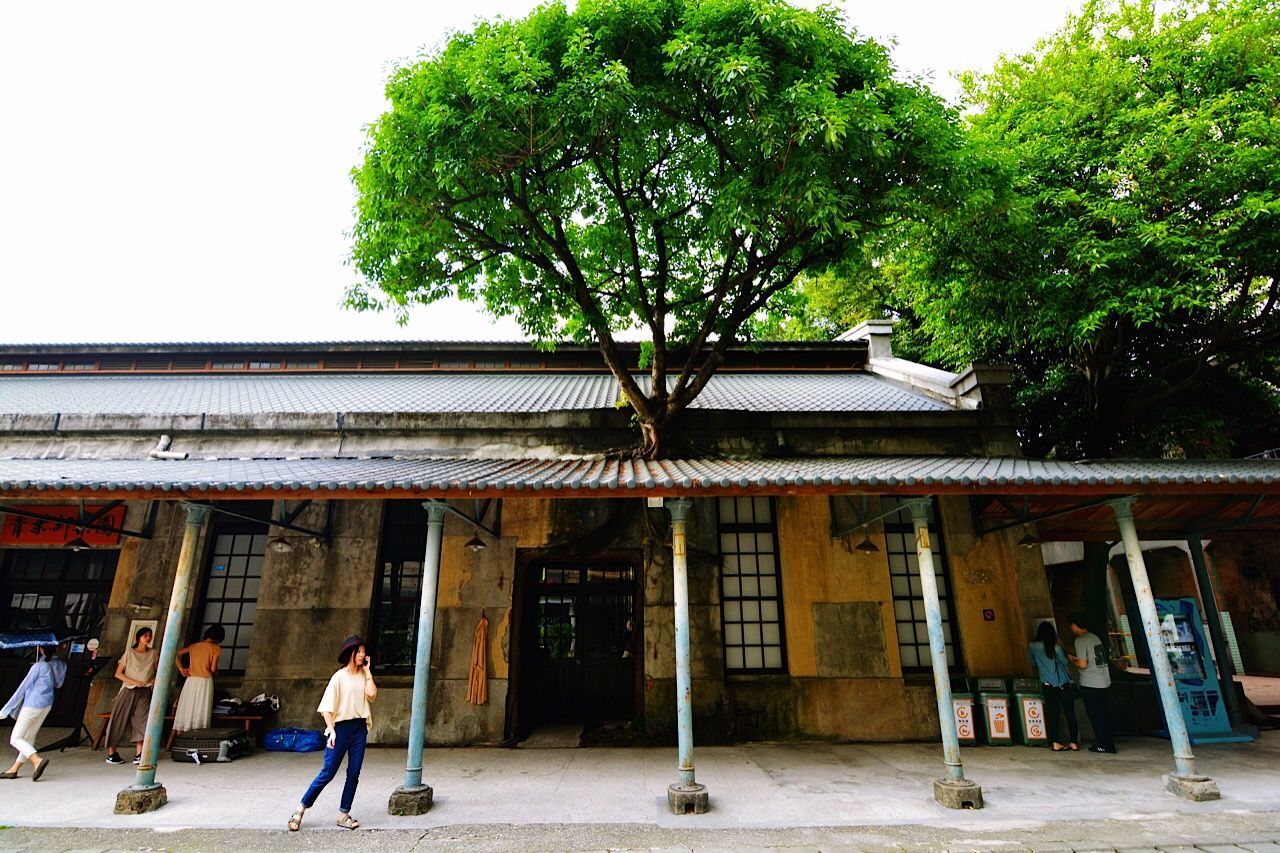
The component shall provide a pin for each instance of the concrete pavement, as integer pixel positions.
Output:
(821, 795)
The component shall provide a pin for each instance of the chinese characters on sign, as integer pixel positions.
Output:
(20, 530)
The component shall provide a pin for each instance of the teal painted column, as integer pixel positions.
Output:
(413, 797)
(686, 796)
(954, 790)
(1186, 782)
(145, 778)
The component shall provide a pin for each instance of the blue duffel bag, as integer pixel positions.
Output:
(293, 740)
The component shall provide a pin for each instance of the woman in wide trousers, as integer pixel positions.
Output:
(347, 720)
(136, 673)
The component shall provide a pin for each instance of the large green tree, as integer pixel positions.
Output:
(661, 165)
(1120, 239)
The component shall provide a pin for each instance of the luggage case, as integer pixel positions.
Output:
(212, 745)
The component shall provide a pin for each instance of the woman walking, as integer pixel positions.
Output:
(347, 720)
(35, 697)
(1051, 663)
(136, 672)
(195, 704)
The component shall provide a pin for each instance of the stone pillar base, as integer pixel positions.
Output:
(688, 799)
(1197, 788)
(957, 793)
(410, 801)
(140, 801)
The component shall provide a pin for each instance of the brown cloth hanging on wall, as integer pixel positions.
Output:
(478, 683)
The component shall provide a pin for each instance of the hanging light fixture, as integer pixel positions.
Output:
(475, 543)
(1028, 540)
(279, 544)
(77, 544)
(866, 546)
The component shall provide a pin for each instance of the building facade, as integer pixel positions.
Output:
(806, 615)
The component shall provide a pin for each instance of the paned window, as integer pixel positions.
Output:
(908, 599)
(232, 586)
(399, 589)
(750, 586)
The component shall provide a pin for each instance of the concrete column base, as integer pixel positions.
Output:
(410, 801)
(957, 793)
(141, 801)
(1196, 788)
(688, 799)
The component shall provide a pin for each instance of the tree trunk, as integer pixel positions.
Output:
(653, 440)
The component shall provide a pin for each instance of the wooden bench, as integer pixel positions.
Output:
(248, 719)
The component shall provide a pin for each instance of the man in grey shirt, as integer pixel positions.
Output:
(1095, 681)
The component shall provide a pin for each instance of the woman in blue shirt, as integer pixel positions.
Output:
(1050, 662)
(35, 697)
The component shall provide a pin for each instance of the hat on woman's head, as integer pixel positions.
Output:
(349, 647)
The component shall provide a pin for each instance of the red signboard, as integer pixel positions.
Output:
(23, 530)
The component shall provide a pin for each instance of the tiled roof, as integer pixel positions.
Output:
(347, 477)
(432, 393)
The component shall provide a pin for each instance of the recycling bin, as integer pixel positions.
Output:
(1029, 717)
(995, 712)
(966, 726)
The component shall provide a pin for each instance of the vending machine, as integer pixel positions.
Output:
(1194, 673)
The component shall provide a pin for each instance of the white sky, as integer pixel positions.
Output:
(179, 171)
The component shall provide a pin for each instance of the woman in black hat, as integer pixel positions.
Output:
(347, 720)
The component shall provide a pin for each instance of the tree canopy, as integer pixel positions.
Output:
(661, 165)
(1120, 238)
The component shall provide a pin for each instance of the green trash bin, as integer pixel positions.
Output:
(1028, 711)
(995, 711)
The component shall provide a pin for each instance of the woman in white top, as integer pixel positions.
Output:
(347, 720)
(136, 673)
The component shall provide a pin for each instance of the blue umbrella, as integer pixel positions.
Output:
(29, 638)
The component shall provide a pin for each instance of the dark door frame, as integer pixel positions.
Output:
(520, 719)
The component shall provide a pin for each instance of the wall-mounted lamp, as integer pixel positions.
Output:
(1028, 540)
(77, 544)
(475, 543)
(280, 545)
(866, 546)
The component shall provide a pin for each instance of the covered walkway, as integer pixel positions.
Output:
(758, 787)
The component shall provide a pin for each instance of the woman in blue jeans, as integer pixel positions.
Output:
(347, 720)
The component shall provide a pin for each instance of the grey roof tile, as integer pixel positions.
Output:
(455, 476)
(432, 393)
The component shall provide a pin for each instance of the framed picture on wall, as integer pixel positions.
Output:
(138, 624)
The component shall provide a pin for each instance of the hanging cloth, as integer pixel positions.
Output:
(478, 682)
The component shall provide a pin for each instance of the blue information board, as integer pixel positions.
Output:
(1194, 674)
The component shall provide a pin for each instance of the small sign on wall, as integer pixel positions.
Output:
(988, 615)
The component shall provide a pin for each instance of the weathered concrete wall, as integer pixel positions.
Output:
(311, 599)
(143, 583)
(705, 633)
(992, 577)
(844, 677)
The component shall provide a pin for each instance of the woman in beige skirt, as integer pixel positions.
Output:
(137, 675)
(195, 705)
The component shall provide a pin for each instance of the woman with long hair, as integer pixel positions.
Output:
(136, 673)
(347, 720)
(34, 697)
(195, 704)
(1050, 662)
